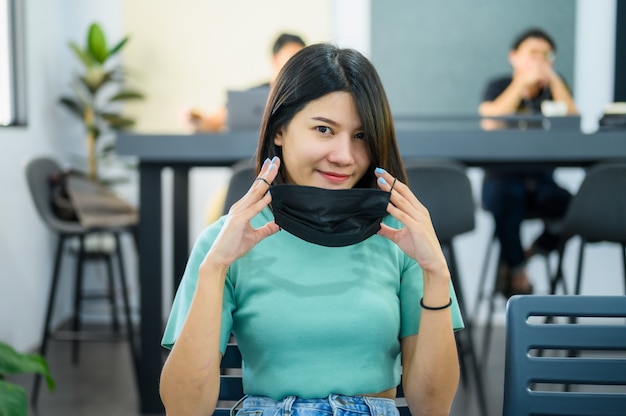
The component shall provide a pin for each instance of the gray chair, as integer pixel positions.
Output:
(597, 213)
(488, 292)
(38, 172)
(444, 188)
(534, 383)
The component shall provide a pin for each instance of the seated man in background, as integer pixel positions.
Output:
(514, 195)
(285, 46)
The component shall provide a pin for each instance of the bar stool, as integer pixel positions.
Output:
(38, 173)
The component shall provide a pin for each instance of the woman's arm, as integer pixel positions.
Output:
(190, 379)
(430, 367)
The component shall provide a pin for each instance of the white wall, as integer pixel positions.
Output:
(188, 53)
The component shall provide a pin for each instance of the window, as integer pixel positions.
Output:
(12, 92)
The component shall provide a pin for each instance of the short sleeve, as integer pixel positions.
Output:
(495, 87)
(187, 288)
(411, 291)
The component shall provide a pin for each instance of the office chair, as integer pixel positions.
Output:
(38, 172)
(243, 175)
(444, 188)
(533, 384)
(597, 213)
(231, 385)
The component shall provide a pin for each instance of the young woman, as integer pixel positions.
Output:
(328, 305)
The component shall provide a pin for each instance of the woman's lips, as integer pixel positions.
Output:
(334, 177)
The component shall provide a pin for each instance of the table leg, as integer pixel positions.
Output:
(149, 241)
(181, 223)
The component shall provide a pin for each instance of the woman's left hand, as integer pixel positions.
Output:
(417, 238)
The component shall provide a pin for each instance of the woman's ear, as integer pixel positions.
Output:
(278, 138)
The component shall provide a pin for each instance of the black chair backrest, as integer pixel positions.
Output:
(231, 387)
(598, 210)
(576, 356)
(242, 177)
(444, 188)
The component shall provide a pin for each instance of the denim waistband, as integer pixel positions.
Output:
(334, 404)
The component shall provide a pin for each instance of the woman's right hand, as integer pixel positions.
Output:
(237, 236)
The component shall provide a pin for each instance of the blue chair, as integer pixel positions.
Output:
(589, 382)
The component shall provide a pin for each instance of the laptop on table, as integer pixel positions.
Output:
(246, 108)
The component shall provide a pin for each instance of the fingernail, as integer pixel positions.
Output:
(267, 160)
(275, 159)
(382, 181)
(380, 170)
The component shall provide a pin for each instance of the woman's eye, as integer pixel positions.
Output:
(360, 136)
(323, 129)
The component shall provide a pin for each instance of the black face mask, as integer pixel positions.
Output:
(329, 217)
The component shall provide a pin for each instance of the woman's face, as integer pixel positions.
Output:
(324, 145)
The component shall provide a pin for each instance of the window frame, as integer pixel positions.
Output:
(14, 79)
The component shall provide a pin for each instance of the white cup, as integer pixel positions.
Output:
(553, 108)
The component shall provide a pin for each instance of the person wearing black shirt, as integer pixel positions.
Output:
(514, 195)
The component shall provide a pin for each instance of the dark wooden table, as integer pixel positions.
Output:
(532, 148)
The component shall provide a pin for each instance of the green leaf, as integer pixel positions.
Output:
(97, 44)
(72, 105)
(95, 78)
(127, 95)
(84, 56)
(118, 47)
(12, 400)
(13, 362)
(116, 121)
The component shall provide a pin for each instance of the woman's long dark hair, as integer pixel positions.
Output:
(321, 69)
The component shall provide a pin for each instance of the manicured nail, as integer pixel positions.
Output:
(266, 161)
(380, 171)
(382, 181)
(275, 159)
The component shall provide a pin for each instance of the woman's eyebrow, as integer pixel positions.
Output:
(325, 120)
(332, 122)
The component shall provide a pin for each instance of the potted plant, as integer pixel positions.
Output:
(13, 397)
(99, 91)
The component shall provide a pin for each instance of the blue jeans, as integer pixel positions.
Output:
(514, 198)
(333, 405)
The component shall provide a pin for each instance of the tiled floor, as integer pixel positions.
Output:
(103, 383)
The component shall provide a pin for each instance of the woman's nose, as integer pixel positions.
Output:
(341, 150)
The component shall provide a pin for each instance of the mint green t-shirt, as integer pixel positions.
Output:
(312, 320)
